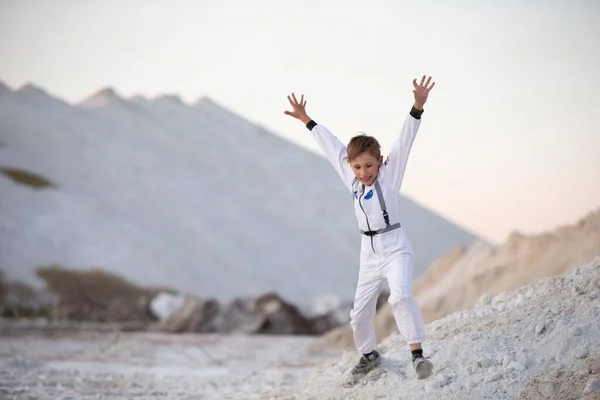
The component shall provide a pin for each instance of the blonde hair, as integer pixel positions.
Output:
(363, 144)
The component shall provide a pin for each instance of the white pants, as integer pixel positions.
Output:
(398, 270)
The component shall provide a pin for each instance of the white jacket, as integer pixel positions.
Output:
(366, 202)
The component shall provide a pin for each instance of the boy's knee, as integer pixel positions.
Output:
(360, 315)
(400, 298)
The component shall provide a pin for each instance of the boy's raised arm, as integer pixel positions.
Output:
(332, 147)
(398, 156)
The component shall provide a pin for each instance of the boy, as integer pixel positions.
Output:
(386, 252)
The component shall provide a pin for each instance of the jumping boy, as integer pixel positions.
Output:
(386, 251)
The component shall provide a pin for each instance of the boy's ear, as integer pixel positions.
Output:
(380, 160)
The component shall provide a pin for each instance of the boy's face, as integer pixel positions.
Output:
(366, 167)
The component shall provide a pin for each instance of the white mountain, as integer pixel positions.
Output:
(192, 197)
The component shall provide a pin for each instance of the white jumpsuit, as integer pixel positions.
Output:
(387, 255)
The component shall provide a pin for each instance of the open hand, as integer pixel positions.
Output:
(298, 108)
(422, 91)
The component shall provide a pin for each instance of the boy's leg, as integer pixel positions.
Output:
(407, 314)
(364, 308)
(398, 272)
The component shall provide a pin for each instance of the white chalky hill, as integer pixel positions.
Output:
(541, 341)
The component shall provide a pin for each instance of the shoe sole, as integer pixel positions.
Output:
(425, 370)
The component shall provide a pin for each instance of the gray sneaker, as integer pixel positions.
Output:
(423, 367)
(366, 363)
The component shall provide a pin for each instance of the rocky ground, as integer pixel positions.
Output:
(541, 341)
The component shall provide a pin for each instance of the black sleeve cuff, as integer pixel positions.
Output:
(311, 124)
(416, 114)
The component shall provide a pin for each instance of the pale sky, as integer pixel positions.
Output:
(509, 139)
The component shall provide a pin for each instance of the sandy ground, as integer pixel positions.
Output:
(91, 364)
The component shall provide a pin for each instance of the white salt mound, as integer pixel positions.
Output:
(165, 304)
(541, 341)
